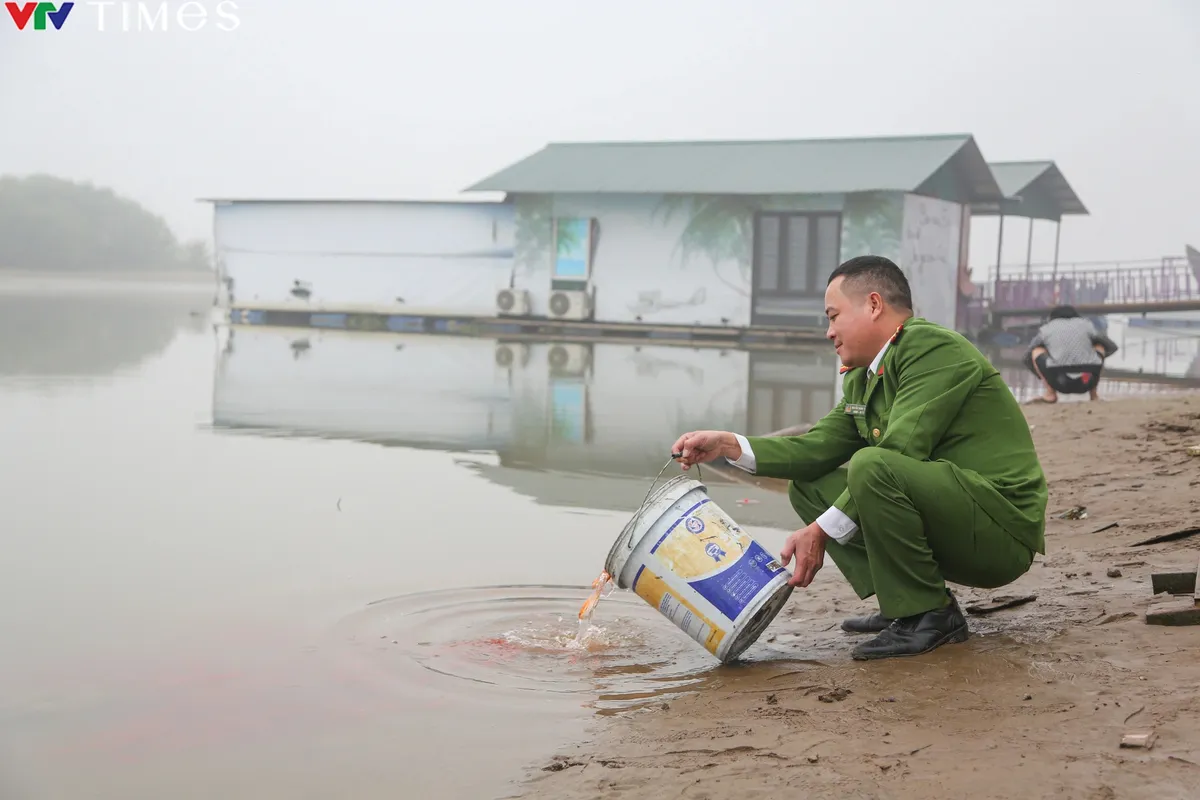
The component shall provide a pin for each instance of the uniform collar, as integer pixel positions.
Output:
(876, 368)
(879, 356)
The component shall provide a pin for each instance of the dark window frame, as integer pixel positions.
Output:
(812, 287)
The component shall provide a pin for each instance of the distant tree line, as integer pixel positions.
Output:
(54, 224)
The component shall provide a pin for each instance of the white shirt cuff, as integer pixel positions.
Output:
(839, 527)
(747, 461)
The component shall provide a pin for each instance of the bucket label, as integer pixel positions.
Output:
(732, 589)
(706, 542)
(684, 615)
(685, 620)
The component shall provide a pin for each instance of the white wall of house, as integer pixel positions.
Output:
(929, 255)
(657, 260)
(641, 270)
(389, 257)
(671, 260)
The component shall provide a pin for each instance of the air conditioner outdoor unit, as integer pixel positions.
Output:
(571, 304)
(569, 359)
(511, 354)
(512, 303)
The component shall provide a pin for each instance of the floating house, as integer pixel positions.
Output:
(703, 238)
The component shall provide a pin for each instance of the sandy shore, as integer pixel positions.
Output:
(1033, 706)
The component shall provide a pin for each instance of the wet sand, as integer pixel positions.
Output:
(1034, 705)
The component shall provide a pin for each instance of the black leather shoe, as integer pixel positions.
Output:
(920, 633)
(873, 623)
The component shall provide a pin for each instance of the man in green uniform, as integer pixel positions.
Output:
(925, 472)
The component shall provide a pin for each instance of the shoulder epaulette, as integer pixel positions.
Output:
(892, 341)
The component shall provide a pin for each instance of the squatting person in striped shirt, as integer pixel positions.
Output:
(1068, 354)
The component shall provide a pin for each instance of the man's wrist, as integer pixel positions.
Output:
(733, 450)
(836, 525)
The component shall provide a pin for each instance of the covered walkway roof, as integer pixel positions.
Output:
(1032, 189)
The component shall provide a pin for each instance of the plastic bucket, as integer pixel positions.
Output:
(686, 557)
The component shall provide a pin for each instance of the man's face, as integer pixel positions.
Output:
(852, 323)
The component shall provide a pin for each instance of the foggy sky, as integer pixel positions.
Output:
(415, 100)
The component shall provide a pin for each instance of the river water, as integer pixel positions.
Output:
(263, 563)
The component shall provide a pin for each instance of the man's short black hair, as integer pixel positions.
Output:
(876, 274)
(1063, 312)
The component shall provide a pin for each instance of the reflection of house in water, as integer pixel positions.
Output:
(387, 389)
(570, 423)
(786, 391)
(579, 407)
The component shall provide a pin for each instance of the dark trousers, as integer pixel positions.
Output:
(1068, 379)
(918, 528)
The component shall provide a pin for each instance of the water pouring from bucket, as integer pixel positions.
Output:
(683, 555)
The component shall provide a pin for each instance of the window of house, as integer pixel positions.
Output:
(794, 253)
(572, 249)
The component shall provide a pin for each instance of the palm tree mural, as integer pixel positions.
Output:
(872, 223)
(720, 227)
(534, 232)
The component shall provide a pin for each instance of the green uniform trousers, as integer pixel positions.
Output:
(917, 529)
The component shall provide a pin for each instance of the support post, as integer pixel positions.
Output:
(999, 254)
(1054, 271)
(1057, 236)
(1029, 252)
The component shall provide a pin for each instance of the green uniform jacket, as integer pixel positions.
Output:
(934, 397)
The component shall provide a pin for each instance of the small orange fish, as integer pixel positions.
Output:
(594, 597)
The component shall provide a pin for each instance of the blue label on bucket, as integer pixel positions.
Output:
(731, 590)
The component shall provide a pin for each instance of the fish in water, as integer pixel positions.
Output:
(589, 605)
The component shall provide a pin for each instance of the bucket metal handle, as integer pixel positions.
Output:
(642, 508)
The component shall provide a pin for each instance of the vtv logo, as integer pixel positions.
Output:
(40, 13)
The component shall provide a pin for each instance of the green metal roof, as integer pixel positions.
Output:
(1032, 189)
(806, 166)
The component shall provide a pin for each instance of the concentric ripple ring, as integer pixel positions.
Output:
(519, 644)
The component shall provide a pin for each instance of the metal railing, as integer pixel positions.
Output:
(1042, 286)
